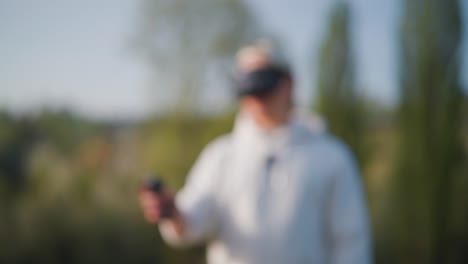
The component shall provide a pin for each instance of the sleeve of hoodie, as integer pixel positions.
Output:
(196, 200)
(348, 232)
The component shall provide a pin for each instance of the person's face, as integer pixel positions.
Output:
(270, 111)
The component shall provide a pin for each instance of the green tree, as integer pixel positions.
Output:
(338, 98)
(430, 126)
(184, 40)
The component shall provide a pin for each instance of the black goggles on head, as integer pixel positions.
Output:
(260, 83)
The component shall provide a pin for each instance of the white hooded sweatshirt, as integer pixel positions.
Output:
(292, 195)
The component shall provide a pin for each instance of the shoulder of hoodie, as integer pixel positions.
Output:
(318, 139)
(217, 146)
(330, 146)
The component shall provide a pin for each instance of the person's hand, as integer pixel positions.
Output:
(156, 205)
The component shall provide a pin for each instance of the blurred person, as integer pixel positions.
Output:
(277, 189)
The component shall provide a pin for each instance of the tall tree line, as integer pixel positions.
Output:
(429, 215)
(338, 97)
(431, 154)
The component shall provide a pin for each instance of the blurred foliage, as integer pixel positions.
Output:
(338, 97)
(431, 223)
(80, 204)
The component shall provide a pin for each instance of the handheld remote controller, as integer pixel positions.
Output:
(156, 185)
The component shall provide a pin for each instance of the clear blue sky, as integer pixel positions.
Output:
(61, 53)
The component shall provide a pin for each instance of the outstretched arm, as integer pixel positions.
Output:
(196, 207)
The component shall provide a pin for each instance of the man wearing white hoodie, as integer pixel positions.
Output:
(278, 189)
